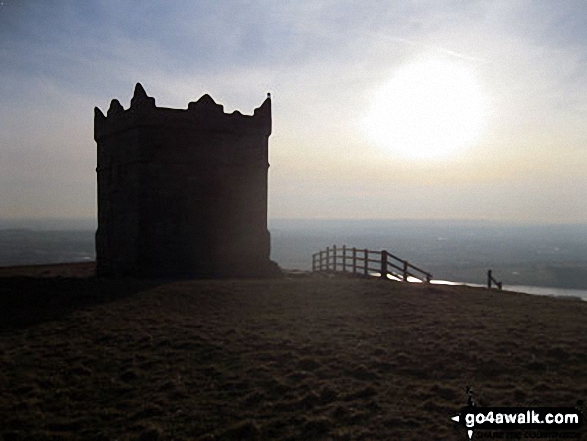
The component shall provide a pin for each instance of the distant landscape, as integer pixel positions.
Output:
(459, 251)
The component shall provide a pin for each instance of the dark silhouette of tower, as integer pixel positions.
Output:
(182, 192)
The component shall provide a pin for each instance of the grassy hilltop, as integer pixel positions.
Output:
(297, 358)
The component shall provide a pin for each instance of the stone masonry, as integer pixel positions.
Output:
(182, 192)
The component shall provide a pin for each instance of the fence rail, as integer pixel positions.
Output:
(491, 279)
(367, 262)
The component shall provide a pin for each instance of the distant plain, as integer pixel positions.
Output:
(459, 251)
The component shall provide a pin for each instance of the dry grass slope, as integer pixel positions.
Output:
(304, 358)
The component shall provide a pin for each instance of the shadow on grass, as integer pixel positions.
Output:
(26, 301)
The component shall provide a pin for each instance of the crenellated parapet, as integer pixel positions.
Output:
(203, 114)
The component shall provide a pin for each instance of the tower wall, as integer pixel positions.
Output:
(182, 192)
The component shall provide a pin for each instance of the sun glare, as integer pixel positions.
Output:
(429, 110)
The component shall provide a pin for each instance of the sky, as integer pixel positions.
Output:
(405, 109)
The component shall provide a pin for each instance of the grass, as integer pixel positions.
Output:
(303, 358)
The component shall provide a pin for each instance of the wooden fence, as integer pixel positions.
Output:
(491, 279)
(368, 263)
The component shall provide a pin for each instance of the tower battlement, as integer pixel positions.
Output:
(182, 191)
(205, 114)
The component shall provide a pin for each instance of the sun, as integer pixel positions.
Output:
(430, 109)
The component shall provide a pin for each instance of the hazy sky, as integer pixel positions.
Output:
(505, 80)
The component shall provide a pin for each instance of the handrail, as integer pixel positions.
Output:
(491, 279)
(337, 259)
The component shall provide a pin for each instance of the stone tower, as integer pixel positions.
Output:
(182, 192)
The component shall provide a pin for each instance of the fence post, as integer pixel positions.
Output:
(321, 252)
(383, 264)
(366, 262)
(334, 254)
(327, 259)
(354, 260)
(344, 258)
(491, 280)
(313, 262)
(405, 270)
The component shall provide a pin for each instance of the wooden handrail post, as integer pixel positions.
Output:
(354, 260)
(366, 262)
(313, 262)
(405, 271)
(344, 258)
(321, 267)
(327, 259)
(384, 264)
(334, 254)
(491, 280)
